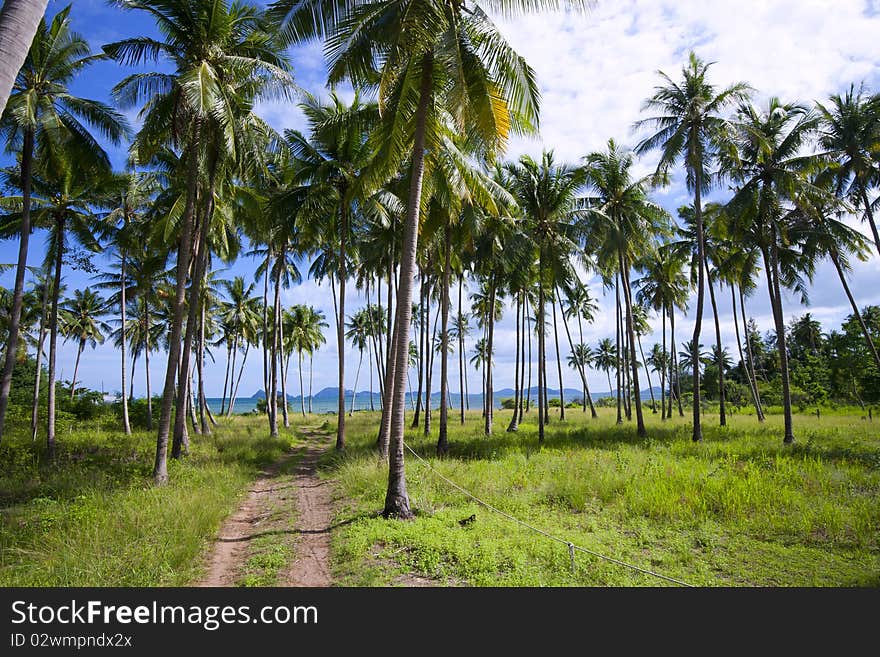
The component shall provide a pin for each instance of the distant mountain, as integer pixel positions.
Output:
(329, 395)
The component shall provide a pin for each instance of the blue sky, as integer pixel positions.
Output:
(594, 71)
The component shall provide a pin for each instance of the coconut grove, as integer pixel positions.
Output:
(514, 350)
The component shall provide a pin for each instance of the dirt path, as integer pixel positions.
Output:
(276, 496)
(311, 564)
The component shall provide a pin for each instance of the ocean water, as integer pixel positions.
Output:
(325, 405)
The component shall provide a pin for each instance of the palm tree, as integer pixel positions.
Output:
(849, 133)
(460, 330)
(123, 226)
(43, 117)
(713, 252)
(223, 59)
(580, 359)
(547, 195)
(423, 55)
(767, 161)
(19, 21)
(359, 334)
(605, 359)
(689, 127)
(581, 305)
(329, 192)
(79, 321)
(664, 288)
(691, 358)
(623, 223)
(63, 202)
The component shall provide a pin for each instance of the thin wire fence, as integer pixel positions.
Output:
(572, 548)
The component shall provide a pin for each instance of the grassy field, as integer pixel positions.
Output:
(737, 509)
(93, 518)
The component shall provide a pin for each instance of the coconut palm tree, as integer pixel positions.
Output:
(43, 118)
(713, 252)
(689, 126)
(359, 334)
(580, 359)
(63, 204)
(19, 21)
(79, 321)
(547, 194)
(850, 133)
(222, 60)
(605, 359)
(326, 187)
(433, 62)
(123, 227)
(767, 162)
(623, 223)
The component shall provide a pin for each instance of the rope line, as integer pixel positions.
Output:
(571, 546)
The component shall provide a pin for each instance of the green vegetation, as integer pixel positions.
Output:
(92, 518)
(737, 509)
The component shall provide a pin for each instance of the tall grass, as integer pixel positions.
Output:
(93, 518)
(738, 508)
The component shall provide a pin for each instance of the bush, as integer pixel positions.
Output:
(508, 403)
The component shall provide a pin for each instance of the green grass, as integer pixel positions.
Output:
(93, 518)
(737, 509)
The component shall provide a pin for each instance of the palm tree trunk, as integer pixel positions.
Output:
(663, 365)
(742, 359)
(160, 468)
(442, 440)
(429, 372)
(588, 398)
(776, 302)
(870, 216)
(53, 339)
(522, 370)
(558, 359)
(233, 353)
(276, 348)
(79, 351)
(200, 260)
(340, 327)
(204, 412)
(675, 368)
(126, 425)
(134, 360)
(18, 25)
(226, 379)
(396, 498)
(631, 339)
(461, 355)
(280, 324)
(539, 319)
(855, 308)
(311, 372)
(751, 359)
(424, 323)
(302, 392)
(617, 337)
(44, 307)
(247, 349)
(490, 349)
(384, 437)
(529, 382)
(14, 15)
(356, 377)
(722, 413)
(266, 331)
(191, 409)
(698, 319)
(147, 370)
(647, 374)
(516, 388)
